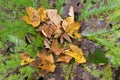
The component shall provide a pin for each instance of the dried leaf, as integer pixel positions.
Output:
(56, 48)
(58, 33)
(42, 13)
(76, 53)
(64, 58)
(66, 37)
(71, 12)
(35, 16)
(54, 17)
(45, 57)
(48, 30)
(72, 30)
(26, 59)
(47, 43)
(47, 62)
(47, 66)
(67, 22)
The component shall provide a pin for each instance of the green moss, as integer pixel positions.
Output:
(107, 73)
(67, 68)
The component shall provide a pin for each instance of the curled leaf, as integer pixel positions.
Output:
(76, 53)
(56, 48)
(66, 37)
(48, 30)
(47, 43)
(26, 59)
(54, 17)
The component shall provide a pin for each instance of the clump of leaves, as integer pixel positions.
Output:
(48, 22)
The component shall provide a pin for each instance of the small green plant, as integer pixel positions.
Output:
(45, 3)
(59, 5)
(93, 9)
(106, 73)
(11, 69)
(108, 36)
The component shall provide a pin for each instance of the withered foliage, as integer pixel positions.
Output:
(58, 33)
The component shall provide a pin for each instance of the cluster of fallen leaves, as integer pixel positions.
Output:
(58, 34)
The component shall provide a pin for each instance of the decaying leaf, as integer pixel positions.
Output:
(42, 13)
(54, 17)
(48, 30)
(56, 48)
(26, 59)
(66, 37)
(69, 20)
(76, 53)
(64, 58)
(53, 27)
(47, 62)
(71, 12)
(47, 43)
(35, 16)
(72, 30)
(57, 33)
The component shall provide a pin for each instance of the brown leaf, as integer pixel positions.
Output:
(56, 48)
(54, 17)
(47, 62)
(64, 58)
(26, 58)
(57, 33)
(48, 30)
(45, 57)
(66, 37)
(47, 43)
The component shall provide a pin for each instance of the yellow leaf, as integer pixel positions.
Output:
(47, 62)
(35, 16)
(69, 20)
(47, 66)
(46, 57)
(76, 53)
(42, 13)
(26, 59)
(72, 30)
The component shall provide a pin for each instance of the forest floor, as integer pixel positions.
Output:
(16, 36)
